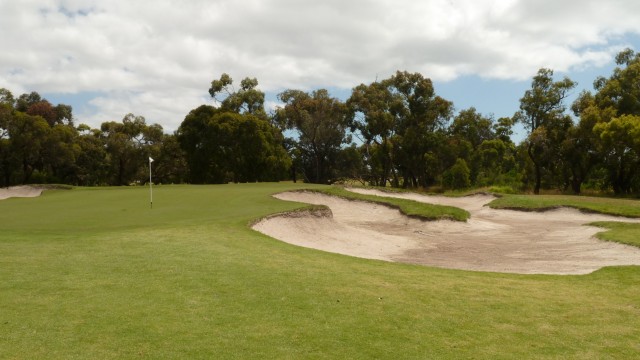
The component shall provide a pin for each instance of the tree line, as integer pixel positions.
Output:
(394, 132)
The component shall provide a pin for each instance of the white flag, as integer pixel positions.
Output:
(150, 159)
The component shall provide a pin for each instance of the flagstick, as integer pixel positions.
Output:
(150, 185)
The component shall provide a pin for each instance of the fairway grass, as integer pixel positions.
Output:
(96, 274)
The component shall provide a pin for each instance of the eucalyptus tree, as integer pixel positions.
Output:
(542, 112)
(405, 121)
(320, 123)
(248, 99)
(616, 106)
(370, 107)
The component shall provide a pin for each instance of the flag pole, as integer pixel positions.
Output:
(150, 184)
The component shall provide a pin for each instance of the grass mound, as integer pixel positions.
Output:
(610, 206)
(410, 208)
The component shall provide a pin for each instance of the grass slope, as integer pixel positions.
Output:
(624, 233)
(611, 206)
(407, 207)
(94, 273)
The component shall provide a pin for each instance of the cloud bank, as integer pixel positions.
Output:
(157, 58)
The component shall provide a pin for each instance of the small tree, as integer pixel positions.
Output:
(457, 176)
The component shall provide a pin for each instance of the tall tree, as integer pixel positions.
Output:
(621, 144)
(542, 112)
(128, 145)
(421, 116)
(370, 106)
(320, 122)
(616, 101)
(404, 120)
(248, 99)
(223, 146)
(28, 135)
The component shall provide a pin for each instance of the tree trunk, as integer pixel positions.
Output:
(536, 166)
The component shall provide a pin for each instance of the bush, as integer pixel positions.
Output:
(457, 176)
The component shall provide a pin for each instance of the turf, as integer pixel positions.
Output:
(624, 233)
(95, 273)
(611, 206)
(407, 207)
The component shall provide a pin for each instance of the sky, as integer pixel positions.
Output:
(157, 58)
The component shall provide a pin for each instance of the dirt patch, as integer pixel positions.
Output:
(552, 242)
(20, 191)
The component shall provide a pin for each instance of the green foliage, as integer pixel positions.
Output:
(457, 176)
(222, 146)
(542, 114)
(408, 137)
(404, 120)
(320, 123)
(620, 140)
(247, 100)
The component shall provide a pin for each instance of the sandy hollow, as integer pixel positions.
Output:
(551, 242)
(19, 191)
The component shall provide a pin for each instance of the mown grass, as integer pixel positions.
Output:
(94, 273)
(611, 206)
(407, 207)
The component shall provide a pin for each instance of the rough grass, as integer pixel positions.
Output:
(94, 273)
(625, 233)
(611, 206)
(408, 207)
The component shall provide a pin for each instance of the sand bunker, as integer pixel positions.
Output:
(552, 242)
(19, 191)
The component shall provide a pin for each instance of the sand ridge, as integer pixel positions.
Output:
(551, 242)
(20, 191)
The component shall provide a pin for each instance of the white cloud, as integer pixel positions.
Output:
(157, 58)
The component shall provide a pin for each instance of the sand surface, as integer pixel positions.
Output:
(19, 191)
(552, 242)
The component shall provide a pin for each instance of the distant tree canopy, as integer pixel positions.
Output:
(235, 142)
(393, 132)
(39, 143)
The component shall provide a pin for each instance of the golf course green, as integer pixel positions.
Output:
(95, 273)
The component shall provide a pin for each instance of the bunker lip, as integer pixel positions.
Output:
(552, 242)
(20, 191)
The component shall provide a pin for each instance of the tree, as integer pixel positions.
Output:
(129, 143)
(457, 176)
(606, 114)
(320, 122)
(248, 99)
(405, 121)
(45, 109)
(92, 162)
(24, 101)
(223, 146)
(370, 107)
(28, 135)
(193, 140)
(542, 114)
(6, 98)
(468, 132)
(621, 144)
(421, 116)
